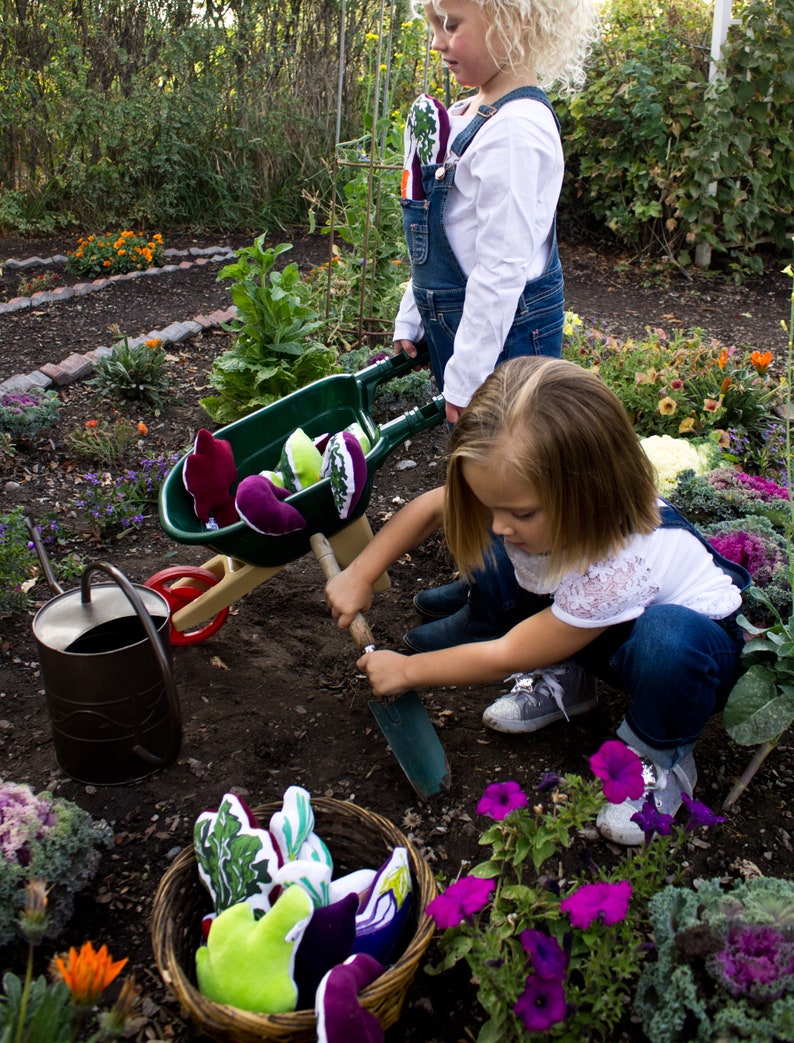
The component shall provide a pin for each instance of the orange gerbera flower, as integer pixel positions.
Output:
(723, 359)
(761, 360)
(142, 428)
(88, 972)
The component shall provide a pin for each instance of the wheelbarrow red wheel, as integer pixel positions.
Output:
(180, 585)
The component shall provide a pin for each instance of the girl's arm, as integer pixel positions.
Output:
(536, 642)
(351, 590)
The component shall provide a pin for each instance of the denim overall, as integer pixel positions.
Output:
(676, 665)
(439, 282)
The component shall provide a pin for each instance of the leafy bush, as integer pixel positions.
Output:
(666, 160)
(115, 253)
(275, 350)
(24, 413)
(105, 442)
(45, 838)
(134, 372)
(687, 385)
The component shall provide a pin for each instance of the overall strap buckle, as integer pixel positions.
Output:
(486, 111)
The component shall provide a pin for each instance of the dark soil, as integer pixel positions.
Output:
(274, 698)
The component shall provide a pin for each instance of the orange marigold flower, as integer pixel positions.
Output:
(142, 428)
(91, 423)
(153, 343)
(88, 972)
(723, 359)
(761, 360)
(106, 264)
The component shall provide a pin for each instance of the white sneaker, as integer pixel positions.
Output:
(542, 697)
(665, 785)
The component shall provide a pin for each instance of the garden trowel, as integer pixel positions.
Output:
(403, 721)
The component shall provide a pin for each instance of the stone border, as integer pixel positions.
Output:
(77, 367)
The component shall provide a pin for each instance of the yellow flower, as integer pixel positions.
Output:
(686, 425)
(667, 406)
(88, 972)
(371, 36)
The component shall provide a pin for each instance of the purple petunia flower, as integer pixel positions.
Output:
(460, 901)
(651, 820)
(500, 799)
(541, 1004)
(548, 780)
(547, 958)
(621, 770)
(609, 902)
(699, 814)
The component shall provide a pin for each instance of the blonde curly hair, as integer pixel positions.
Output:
(550, 37)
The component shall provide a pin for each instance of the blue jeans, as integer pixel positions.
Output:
(677, 666)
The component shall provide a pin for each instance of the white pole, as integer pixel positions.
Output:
(719, 34)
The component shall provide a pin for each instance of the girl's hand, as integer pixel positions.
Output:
(385, 672)
(453, 413)
(407, 346)
(347, 594)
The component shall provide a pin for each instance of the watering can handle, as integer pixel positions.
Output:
(172, 697)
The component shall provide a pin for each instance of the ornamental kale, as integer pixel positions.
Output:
(725, 967)
(24, 413)
(44, 838)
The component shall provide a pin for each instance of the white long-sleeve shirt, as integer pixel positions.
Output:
(498, 221)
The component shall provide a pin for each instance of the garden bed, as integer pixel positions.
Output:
(274, 699)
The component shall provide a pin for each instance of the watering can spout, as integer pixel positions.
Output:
(49, 575)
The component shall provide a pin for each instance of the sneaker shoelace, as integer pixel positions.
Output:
(656, 777)
(540, 683)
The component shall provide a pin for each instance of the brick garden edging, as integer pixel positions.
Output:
(77, 367)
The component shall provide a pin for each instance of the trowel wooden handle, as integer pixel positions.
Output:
(324, 553)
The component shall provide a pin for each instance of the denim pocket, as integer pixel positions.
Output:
(415, 228)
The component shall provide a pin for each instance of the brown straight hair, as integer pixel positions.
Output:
(554, 427)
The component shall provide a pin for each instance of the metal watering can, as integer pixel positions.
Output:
(105, 659)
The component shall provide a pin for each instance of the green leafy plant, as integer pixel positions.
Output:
(761, 705)
(275, 349)
(24, 413)
(685, 385)
(554, 953)
(109, 504)
(105, 442)
(725, 963)
(34, 1010)
(45, 838)
(19, 564)
(37, 284)
(115, 253)
(134, 372)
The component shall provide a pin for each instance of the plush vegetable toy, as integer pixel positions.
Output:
(259, 503)
(425, 142)
(340, 1018)
(208, 475)
(250, 963)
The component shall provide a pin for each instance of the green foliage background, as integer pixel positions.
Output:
(224, 114)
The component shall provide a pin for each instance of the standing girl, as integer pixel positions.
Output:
(486, 282)
(546, 458)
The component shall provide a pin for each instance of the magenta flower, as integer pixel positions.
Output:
(547, 958)
(621, 770)
(460, 901)
(500, 799)
(699, 814)
(609, 902)
(541, 1004)
(651, 820)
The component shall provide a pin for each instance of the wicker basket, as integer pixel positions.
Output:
(357, 839)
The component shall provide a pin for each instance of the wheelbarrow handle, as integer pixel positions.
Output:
(399, 365)
(324, 553)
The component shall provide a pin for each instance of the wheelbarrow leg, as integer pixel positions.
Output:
(236, 579)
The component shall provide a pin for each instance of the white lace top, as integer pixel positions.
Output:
(668, 567)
